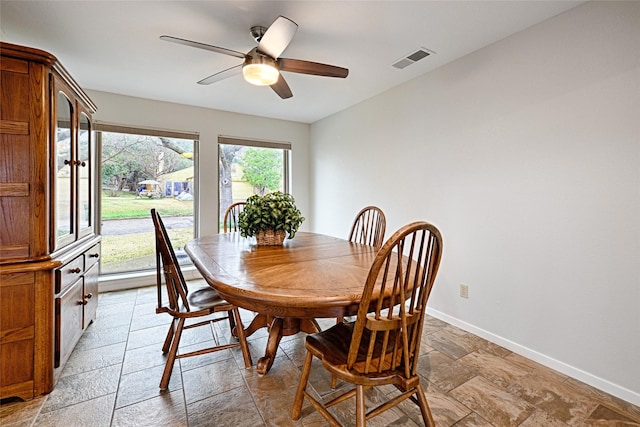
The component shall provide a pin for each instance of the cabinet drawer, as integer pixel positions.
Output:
(90, 295)
(68, 322)
(91, 256)
(69, 273)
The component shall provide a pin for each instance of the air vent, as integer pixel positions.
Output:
(412, 58)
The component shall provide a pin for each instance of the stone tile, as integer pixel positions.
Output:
(472, 420)
(604, 416)
(492, 403)
(212, 379)
(544, 373)
(143, 358)
(446, 411)
(124, 307)
(443, 371)
(148, 293)
(21, 413)
(82, 387)
(558, 399)
(273, 393)
(109, 318)
(145, 384)
(495, 369)
(150, 320)
(96, 358)
(98, 337)
(626, 409)
(294, 349)
(95, 412)
(540, 418)
(117, 297)
(484, 346)
(146, 337)
(189, 363)
(232, 408)
(454, 345)
(145, 308)
(431, 323)
(165, 410)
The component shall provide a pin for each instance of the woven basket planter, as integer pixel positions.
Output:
(270, 237)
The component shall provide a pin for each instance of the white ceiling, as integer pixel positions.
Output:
(114, 46)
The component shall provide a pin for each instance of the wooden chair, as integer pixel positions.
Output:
(183, 305)
(230, 222)
(369, 226)
(382, 346)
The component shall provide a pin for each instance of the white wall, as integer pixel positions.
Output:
(526, 155)
(125, 110)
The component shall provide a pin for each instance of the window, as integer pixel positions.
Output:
(141, 169)
(248, 167)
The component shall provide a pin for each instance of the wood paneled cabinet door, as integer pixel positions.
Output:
(72, 166)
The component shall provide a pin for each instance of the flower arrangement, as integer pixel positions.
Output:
(270, 217)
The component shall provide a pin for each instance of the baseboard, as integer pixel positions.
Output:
(587, 378)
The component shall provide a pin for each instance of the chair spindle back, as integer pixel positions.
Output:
(392, 310)
(230, 222)
(369, 227)
(176, 286)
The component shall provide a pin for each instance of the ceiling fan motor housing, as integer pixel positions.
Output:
(257, 32)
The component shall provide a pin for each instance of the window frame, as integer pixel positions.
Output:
(99, 128)
(258, 143)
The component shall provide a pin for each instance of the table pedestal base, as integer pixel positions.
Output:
(278, 327)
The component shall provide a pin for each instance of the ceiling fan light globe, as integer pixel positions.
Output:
(260, 74)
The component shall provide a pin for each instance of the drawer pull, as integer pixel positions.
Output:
(96, 255)
(88, 296)
(83, 302)
(75, 270)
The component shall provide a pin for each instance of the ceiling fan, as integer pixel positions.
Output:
(262, 64)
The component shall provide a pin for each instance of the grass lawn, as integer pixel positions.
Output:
(129, 246)
(121, 248)
(127, 205)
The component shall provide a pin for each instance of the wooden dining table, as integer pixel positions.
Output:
(288, 287)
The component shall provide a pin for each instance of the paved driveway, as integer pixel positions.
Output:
(113, 227)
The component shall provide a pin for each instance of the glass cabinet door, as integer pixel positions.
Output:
(84, 168)
(64, 172)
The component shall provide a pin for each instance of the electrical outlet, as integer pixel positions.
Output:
(464, 290)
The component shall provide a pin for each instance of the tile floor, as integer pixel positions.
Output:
(112, 379)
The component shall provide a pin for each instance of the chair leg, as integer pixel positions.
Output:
(302, 385)
(424, 407)
(169, 338)
(232, 323)
(235, 313)
(361, 418)
(171, 358)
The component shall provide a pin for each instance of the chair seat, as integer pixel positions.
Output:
(205, 297)
(332, 347)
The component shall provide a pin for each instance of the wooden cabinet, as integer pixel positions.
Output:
(76, 301)
(49, 251)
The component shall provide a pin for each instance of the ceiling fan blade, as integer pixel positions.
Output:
(314, 68)
(221, 75)
(282, 88)
(276, 39)
(203, 46)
